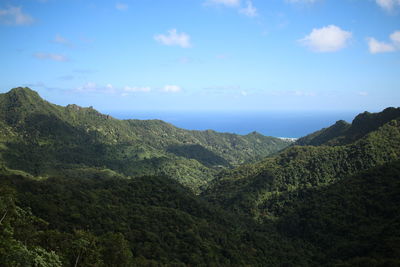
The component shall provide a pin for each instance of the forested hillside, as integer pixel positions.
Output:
(79, 188)
(342, 200)
(251, 188)
(342, 133)
(43, 139)
(113, 221)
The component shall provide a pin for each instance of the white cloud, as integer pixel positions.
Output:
(395, 37)
(293, 93)
(92, 87)
(302, 93)
(171, 89)
(50, 56)
(327, 39)
(376, 46)
(121, 6)
(379, 47)
(88, 87)
(249, 10)
(174, 38)
(363, 93)
(135, 89)
(388, 5)
(15, 16)
(229, 3)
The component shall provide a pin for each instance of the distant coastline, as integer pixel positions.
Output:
(282, 124)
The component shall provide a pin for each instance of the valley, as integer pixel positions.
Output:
(81, 188)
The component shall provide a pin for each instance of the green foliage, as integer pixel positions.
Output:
(17, 236)
(116, 251)
(79, 188)
(251, 189)
(199, 153)
(342, 133)
(109, 221)
(354, 221)
(45, 139)
(336, 199)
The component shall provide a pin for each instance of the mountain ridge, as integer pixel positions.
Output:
(74, 135)
(342, 133)
(78, 187)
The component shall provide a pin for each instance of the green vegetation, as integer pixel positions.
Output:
(79, 188)
(250, 189)
(113, 221)
(342, 133)
(352, 222)
(45, 139)
(341, 200)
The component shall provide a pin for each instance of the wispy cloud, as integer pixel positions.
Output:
(135, 89)
(174, 38)
(223, 90)
(229, 3)
(293, 93)
(249, 10)
(92, 87)
(50, 56)
(14, 16)
(327, 39)
(302, 1)
(61, 40)
(121, 6)
(376, 46)
(388, 5)
(66, 77)
(395, 37)
(171, 89)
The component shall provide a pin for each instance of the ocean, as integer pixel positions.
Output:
(278, 124)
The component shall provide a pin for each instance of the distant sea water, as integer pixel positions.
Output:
(278, 124)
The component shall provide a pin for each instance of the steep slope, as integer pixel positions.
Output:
(44, 139)
(339, 201)
(353, 222)
(342, 133)
(108, 220)
(325, 135)
(251, 189)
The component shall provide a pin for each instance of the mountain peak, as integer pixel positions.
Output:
(26, 91)
(16, 104)
(22, 95)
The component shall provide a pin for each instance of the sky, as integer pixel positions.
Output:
(194, 55)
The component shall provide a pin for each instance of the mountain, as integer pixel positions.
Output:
(340, 199)
(80, 188)
(353, 222)
(109, 220)
(250, 187)
(43, 139)
(342, 133)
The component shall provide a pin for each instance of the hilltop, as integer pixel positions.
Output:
(78, 187)
(43, 139)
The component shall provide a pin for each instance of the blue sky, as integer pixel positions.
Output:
(204, 54)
